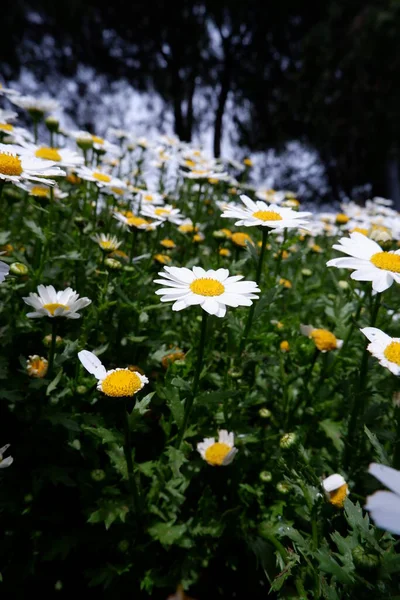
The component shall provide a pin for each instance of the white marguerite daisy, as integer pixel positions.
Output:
(107, 242)
(61, 156)
(43, 191)
(35, 106)
(323, 339)
(385, 348)
(368, 259)
(385, 506)
(117, 383)
(219, 453)
(336, 489)
(146, 197)
(134, 222)
(49, 303)
(212, 290)
(5, 462)
(259, 213)
(16, 166)
(5, 91)
(99, 177)
(163, 213)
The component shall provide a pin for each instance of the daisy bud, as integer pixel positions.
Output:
(112, 264)
(365, 560)
(219, 235)
(265, 476)
(52, 124)
(47, 341)
(306, 272)
(58, 586)
(36, 366)
(283, 487)
(264, 413)
(235, 373)
(85, 142)
(28, 498)
(344, 285)
(98, 475)
(19, 269)
(76, 444)
(288, 440)
(81, 390)
(123, 546)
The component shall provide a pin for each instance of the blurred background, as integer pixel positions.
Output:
(309, 90)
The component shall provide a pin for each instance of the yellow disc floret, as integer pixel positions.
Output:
(324, 340)
(392, 352)
(207, 287)
(337, 497)
(342, 219)
(240, 239)
(386, 261)
(161, 212)
(40, 191)
(48, 154)
(121, 383)
(52, 307)
(101, 177)
(97, 140)
(267, 215)
(37, 366)
(6, 127)
(10, 164)
(216, 454)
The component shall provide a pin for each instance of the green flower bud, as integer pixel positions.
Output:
(98, 475)
(123, 546)
(76, 444)
(81, 390)
(288, 440)
(265, 413)
(112, 264)
(19, 269)
(344, 285)
(47, 341)
(129, 268)
(52, 124)
(265, 476)
(283, 487)
(235, 373)
(28, 498)
(219, 235)
(85, 142)
(306, 272)
(58, 586)
(365, 560)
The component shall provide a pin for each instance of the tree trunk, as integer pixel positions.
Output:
(219, 115)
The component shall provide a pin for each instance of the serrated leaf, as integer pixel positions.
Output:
(329, 565)
(107, 436)
(117, 457)
(167, 533)
(53, 384)
(380, 451)
(176, 406)
(64, 420)
(182, 384)
(141, 405)
(36, 230)
(333, 431)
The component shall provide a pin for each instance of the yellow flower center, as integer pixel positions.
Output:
(107, 245)
(324, 340)
(6, 127)
(161, 211)
(216, 453)
(164, 259)
(38, 190)
(48, 154)
(136, 221)
(392, 352)
(240, 239)
(97, 140)
(205, 286)
(52, 307)
(117, 191)
(148, 198)
(37, 366)
(386, 261)
(337, 497)
(285, 282)
(342, 219)
(121, 383)
(167, 243)
(359, 230)
(267, 215)
(224, 252)
(284, 346)
(10, 164)
(101, 177)
(186, 228)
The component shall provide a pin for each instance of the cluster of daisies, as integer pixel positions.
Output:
(136, 181)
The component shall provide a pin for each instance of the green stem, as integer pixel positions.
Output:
(52, 345)
(258, 281)
(196, 380)
(280, 255)
(129, 462)
(133, 244)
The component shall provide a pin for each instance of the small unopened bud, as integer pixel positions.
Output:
(19, 269)
(235, 373)
(365, 560)
(265, 476)
(112, 264)
(219, 235)
(288, 440)
(306, 272)
(344, 285)
(58, 586)
(81, 390)
(52, 124)
(98, 475)
(265, 413)
(85, 142)
(123, 546)
(76, 444)
(47, 341)
(283, 487)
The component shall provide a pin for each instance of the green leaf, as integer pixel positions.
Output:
(380, 452)
(36, 230)
(141, 405)
(53, 384)
(105, 435)
(176, 406)
(64, 420)
(329, 565)
(167, 533)
(182, 384)
(333, 431)
(117, 457)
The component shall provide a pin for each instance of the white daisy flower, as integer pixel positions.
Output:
(107, 242)
(16, 166)
(163, 213)
(368, 259)
(270, 196)
(219, 453)
(385, 506)
(100, 178)
(15, 135)
(4, 270)
(336, 489)
(62, 156)
(7, 115)
(260, 213)
(5, 91)
(117, 383)
(147, 197)
(42, 191)
(50, 303)
(136, 222)
(5, 462)
(212, 290)
(323, 339)
(36, 106)
(385, 348)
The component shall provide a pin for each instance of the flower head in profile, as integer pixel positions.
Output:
(219, 453)
(36, 366)
(117, 383)
(163, 213)
(384, 506)
(64, 157)
(108, 243)
(49, 303)
(212, 290)
(134, 222)
(385, 348)
(259, 213)
(323, 339)
(336, 489)
(369, 261)
(5, 462)
(16, 166)
(37, 107)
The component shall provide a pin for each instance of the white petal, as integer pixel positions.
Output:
(374, 334)
(92, 364)
(333, 482)
(386, 475)
(385, 510)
